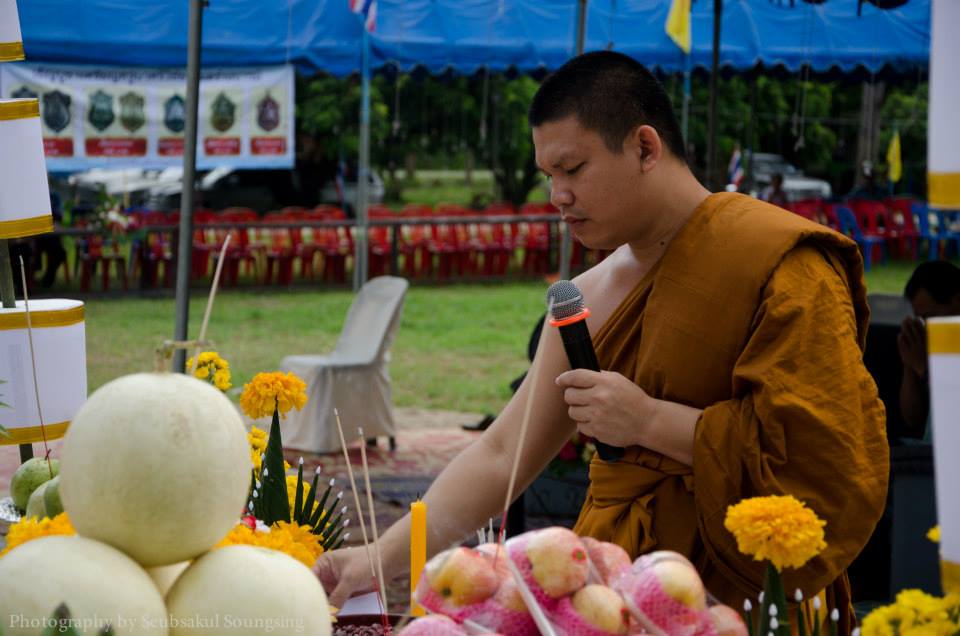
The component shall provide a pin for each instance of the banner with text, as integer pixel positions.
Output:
(98, 117)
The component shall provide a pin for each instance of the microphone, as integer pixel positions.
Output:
(568, 314)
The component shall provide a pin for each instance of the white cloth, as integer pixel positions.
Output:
(354, 378)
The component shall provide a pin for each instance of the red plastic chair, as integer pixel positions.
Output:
(98, 252)
(901, 218)
(278, 249)
(334, 244)
(536, 240)
(414, 242)
(874, 218)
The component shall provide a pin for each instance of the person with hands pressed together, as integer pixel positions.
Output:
(730, 333)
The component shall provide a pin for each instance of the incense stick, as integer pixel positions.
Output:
(373, 518)
(356, 495)
(213, 293)
(33, 364)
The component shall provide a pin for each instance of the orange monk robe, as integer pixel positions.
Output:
(759, 318)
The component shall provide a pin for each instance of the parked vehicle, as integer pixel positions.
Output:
(797, 185)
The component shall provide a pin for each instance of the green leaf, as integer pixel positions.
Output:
(307, 511)
(319, 512)
(276, 504)
(298, 500)
(773, 594)
(60, 623)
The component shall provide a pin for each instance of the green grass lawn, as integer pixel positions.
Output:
(458, 347)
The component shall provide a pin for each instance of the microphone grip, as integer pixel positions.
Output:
(579, 348)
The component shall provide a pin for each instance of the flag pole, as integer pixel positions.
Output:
(363, 173)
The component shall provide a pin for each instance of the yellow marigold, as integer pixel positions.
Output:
(269, 391)
(258, 446)
(290, 538)
(914, 613)
(934, 533)
(781, 529)
(30, 528)
(213, 368)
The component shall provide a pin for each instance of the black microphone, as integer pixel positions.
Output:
(568, 314)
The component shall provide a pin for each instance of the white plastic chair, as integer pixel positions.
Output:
(353, 378)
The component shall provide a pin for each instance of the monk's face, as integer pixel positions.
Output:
(599, 192)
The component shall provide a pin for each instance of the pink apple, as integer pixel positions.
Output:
(459, 577)
(609, 559)
(602, 608)
(558, 561)
(434, 625)
(727, 621)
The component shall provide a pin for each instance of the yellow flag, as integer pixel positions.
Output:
(894, 165)
(678, 24)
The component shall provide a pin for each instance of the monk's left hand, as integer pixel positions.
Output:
(606, 405)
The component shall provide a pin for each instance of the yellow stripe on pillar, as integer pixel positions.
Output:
(943, 189)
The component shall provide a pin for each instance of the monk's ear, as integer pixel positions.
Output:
(645, 142)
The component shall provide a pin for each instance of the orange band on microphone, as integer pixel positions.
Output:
(583, 315)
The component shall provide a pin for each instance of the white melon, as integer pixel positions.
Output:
(157, 465)
(99, 585)
(164, 576)
(243, 590)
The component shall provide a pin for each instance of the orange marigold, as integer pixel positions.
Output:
(269, 391)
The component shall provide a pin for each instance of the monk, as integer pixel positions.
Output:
(730, 333)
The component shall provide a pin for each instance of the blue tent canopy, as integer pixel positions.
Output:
(466, 35)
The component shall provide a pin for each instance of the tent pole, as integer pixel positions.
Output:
(185, 244)
(712, 183)
(566, 241)
(363, 173)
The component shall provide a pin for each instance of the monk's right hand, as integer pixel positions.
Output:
(344, 573)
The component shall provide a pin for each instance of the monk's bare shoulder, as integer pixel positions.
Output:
(607, 283)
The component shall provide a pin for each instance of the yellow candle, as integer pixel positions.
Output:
(418, 550)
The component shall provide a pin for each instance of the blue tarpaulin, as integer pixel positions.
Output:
(466, 35)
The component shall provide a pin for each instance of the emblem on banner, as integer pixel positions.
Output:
(56, 110)
(268, 113)
(101, 111)
(132, 116)
(222, 113)
(175, 114)
(24, 92)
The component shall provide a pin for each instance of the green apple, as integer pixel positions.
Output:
(35, 505)
(51, 497)
(29, 476)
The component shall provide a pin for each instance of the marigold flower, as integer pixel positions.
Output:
(258, 446)
(30, 528)
(269, 391)
(212, 368)
(290, 538)
(781, 529)
(915, 613)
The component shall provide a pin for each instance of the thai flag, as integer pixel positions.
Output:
(735, 168)
(367, 9)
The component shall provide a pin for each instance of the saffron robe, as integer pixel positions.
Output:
(759, 318)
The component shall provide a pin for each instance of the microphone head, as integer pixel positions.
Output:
(567, 300)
